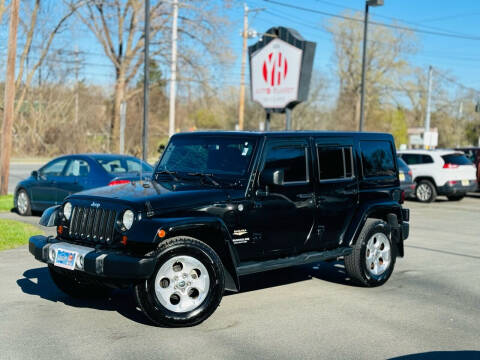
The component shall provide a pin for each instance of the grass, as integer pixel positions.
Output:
(14, 233)
(6, 203)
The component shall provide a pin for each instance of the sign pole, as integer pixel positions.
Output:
(288, 113)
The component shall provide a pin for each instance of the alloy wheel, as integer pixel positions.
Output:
(182, 284)
(378, 254)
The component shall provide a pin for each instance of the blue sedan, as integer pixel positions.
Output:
(69, 174)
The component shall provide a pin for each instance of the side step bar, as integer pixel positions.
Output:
(252, 267)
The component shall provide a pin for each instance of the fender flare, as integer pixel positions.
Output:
(382, 210)
(219, 239)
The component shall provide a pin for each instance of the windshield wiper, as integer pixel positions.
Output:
(205, 176)
(168, 172)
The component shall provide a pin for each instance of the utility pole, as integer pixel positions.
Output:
(146, 83)
(368, 3)
(8, 111)
(245, 35)
(241, 106)
(429, 99)
(173, 71)
(458, 125)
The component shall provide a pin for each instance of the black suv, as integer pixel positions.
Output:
(225, 204)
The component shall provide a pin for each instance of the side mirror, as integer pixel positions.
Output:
(272, 177)
(34, 174)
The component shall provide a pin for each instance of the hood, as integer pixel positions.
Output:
(161, 196)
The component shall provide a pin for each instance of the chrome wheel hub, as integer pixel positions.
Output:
(424, 192)
(182, 284)
(378, 254)
(22, 202)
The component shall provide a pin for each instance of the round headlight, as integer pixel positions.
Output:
(67, 210)
(127, 219)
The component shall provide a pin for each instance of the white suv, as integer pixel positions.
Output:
(440, 172)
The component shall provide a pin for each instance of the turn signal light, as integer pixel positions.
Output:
(60, 229)
(124, 240)
(118, 182)
(161, 233)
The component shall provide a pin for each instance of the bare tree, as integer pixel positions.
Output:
(30, 25)
(387, 64)
(118, 27)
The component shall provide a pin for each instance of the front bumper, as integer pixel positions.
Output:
(99, 263)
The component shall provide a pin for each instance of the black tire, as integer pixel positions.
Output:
(27, 211)
(456, 197)
(355, 263)
(75, 289)
(182, 246)
(429, 187)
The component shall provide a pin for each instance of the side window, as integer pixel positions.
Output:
(77, 168)
(335, 162)
(55, 168)
(377, 158)
(292, 159)
(427, 159)
(411, 159)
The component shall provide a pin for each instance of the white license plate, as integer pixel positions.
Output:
(465, 182)
(401, 176)
(65, 259)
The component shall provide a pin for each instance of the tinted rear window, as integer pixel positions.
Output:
(377, 158)
(122, 165)
(456, 159)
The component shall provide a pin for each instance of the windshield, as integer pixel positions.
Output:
(122, 165)
(219, 155)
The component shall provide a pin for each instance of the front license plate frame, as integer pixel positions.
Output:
(65, 259)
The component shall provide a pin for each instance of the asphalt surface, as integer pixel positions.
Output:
(429, 309)
(18, 172)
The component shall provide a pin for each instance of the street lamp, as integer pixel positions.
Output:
(368, 3)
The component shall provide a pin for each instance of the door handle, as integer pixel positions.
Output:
(305, 196)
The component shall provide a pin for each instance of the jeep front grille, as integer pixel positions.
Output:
(92, 224)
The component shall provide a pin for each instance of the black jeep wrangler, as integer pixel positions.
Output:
(225, 204)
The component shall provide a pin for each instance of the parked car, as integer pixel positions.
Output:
(473, 154)
(69, 174)
(406, 179)
(222, 205)
(440, 172)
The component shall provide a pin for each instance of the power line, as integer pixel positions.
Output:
(392, 18)
(398, 27)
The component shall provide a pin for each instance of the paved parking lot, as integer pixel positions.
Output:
(430, 308)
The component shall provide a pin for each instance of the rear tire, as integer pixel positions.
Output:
(373, 258)
(75, 289)
(22, 203)
(425, 191)
(455, 197)
(187, 285)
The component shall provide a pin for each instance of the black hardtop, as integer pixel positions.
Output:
(286, 134)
